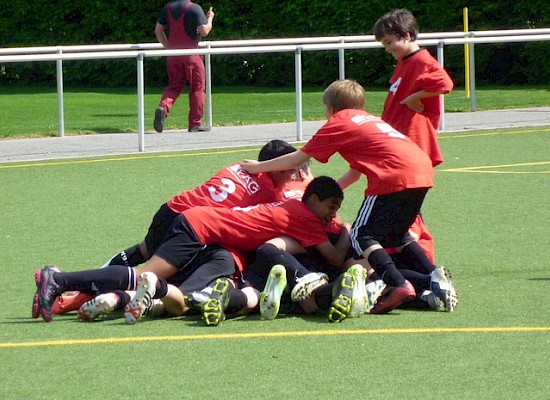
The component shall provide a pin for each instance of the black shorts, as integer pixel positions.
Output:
(160, 224)
(180, 245)
(386, 219)
(210, 264)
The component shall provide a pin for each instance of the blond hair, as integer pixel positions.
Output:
(344, 94)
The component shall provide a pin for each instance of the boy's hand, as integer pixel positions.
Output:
(413, 103)
(249, 166)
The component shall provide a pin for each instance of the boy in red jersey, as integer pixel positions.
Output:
(399, 175)
(413, 104)
(230, 187)
(242, 229)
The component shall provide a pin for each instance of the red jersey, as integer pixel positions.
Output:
(418, 72)
(390, 160)
(246, 229)
(230, 187)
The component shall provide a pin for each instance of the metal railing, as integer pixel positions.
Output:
(295, 45)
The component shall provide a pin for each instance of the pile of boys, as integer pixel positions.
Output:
(265, 234)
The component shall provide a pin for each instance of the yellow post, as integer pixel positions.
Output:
(466, 55)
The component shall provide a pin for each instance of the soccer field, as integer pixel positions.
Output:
(490, 219)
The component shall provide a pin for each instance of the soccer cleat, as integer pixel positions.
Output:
(160, 117)
(342, 294)
(270, 297)
(429, 297)
(360, 300)
(146, 289)
(393, 298)
(443, 288)
(307, 284)
(214, 308)
(46, 292)
(374, 290)
(155, 309)
(70, 301)
(35, 312)
(98, 306)
(195, 300)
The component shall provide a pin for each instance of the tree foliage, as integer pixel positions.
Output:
(64, 22)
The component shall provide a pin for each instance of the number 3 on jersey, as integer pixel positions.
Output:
(222, 192)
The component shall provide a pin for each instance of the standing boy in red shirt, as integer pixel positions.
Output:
(399, 175)
(413, 104)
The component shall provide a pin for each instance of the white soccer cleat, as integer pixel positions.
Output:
(270, 298)
(146, 288)
(98, 306)
(443, 288)
(429, 297)
(307, 284)
(359, 299)
(155, 309)
(374, 289)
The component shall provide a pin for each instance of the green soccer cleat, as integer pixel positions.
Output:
(342, 293)
(270, 298)
(214, 307)
(360, 299)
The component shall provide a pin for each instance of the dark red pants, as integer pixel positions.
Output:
(182, 70)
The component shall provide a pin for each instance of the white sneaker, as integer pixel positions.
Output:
(146, 288)
(98, 306)
(307, 284)
(270, 298)
(374, 290)
(360, 300)
(155, 309)
(429, 297)
(443, 288)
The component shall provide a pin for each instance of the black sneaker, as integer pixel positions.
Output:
(36, 299)
(160, 117)
(46, 291)
(200, 128)
(214, 308)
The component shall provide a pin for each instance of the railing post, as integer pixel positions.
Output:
(298, 78)
(60, 110)
(472, 75)
(440, 59)
(141, 107)
(208, 68)
(341, 61)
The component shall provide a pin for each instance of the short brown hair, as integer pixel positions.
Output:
(344, 94)
(396, 22)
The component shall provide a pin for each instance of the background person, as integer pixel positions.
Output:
(181, 25)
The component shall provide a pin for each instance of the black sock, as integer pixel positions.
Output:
(382, 263)
(416, 259)
(131, 257)
(237, 301)
(269, 255)
(123, 299)
(97, 281)
(161, 290)
(419, 280)
(323, 296)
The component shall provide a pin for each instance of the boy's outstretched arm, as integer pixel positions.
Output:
(349, 178)
(282, 163)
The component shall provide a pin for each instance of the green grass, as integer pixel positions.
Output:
(33, 111)
(489, 216)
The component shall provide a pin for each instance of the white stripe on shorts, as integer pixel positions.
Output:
(362, 217)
